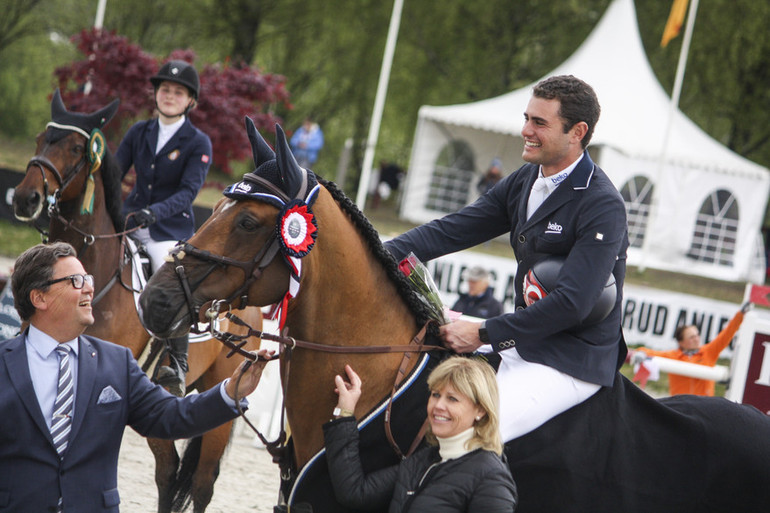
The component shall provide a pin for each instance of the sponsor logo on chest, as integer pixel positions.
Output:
(553, 227)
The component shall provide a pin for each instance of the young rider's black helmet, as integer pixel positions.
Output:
(180, 72)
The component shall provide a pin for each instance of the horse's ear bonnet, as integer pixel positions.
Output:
(277, 178)
(281, 182)
(63, 121)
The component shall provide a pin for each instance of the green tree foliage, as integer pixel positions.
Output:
(725, 86)
(448, 52)
(16, 22)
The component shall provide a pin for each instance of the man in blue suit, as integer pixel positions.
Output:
(559, 204)
(61, 424)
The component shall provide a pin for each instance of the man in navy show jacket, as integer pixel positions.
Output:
(582, 218)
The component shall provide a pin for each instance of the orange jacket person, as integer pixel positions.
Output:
(690, 350)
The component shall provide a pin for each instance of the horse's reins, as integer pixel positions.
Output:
(277, 447)
(236, 342)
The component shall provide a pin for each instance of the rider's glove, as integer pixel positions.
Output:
(144, 217)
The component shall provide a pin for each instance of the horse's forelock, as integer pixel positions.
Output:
(226, 204)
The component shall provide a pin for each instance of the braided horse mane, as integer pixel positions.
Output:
(372, 238)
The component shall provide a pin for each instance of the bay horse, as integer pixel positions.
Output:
(58, 176)
(619, 451)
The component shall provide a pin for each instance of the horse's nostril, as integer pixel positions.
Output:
(34, 199)
(25, 206)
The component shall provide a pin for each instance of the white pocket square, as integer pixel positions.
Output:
(108, 395)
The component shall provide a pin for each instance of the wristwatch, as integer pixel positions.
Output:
(483, 335)
(341, 412)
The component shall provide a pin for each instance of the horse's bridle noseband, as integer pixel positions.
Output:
(252, 271)
(44, 163)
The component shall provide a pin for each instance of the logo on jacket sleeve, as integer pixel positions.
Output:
(553, 228)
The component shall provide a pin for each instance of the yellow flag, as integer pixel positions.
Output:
(675, 21)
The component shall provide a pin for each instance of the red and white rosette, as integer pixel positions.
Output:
(297, 229)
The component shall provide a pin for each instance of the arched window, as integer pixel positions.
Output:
(451, 177)
(716, 229)
(637, 193)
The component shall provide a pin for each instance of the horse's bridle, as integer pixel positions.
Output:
(252, 270)
(43, 163)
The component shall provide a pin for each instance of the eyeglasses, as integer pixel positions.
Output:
(78, 280)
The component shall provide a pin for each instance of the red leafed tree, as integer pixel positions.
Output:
(113, 67)
(227, 95)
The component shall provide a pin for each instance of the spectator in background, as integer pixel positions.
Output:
(390, 180)
(479, 301)
(493, 175)
(306, 142)
(690, 350)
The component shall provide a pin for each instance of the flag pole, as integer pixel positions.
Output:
(680, 68)
(673, 105)
(379, 103)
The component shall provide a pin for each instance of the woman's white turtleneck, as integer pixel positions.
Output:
(454, 446)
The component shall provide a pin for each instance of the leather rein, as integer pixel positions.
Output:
(277, 448)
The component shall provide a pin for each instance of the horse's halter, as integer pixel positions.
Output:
(252, 269)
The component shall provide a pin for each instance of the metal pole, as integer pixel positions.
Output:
(379, 103)
(673, 105)
(100, 7)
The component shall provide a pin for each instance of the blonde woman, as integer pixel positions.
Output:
(460, 470)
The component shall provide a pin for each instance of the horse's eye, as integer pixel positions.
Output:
(248, 224)
(78, 149)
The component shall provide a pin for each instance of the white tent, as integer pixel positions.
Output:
(709, 202)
